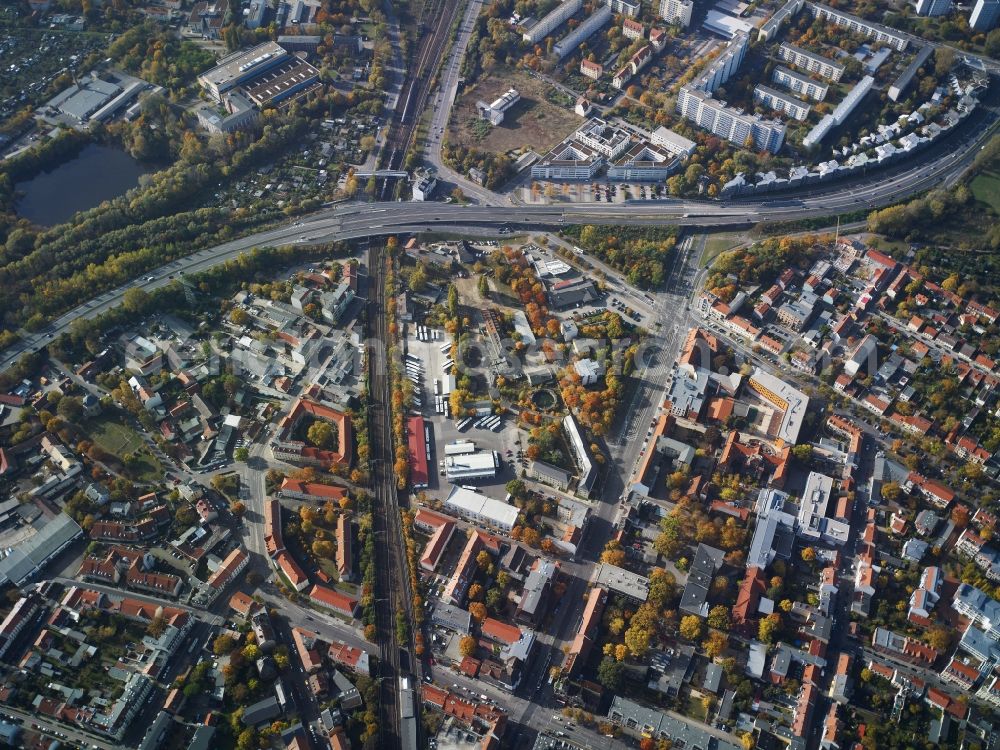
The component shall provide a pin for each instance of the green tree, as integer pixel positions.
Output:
(135, 301)
(769, 628)
(241, 454)
(944, 60)
(418, 279)
(803, 453)
(322, 435)
(691, 627)
(517, 489)
(611, 673)
(718, 617)
(223, 645)
(70, 408)
(891, 491)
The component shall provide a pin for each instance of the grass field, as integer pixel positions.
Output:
(717, 244)
(113, 436)
(120, 439)
(533, 123)
(986, 188)
(895, 248)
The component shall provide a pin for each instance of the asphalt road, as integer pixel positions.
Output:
(940, 164)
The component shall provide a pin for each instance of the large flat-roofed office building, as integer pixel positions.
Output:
(282, 82)
(584, 153)
(241, 67)
(623, 582)
(790, 402)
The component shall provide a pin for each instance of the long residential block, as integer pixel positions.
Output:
(810, 61)
(727, 122)
(895, 39)
(800, 84)
(552, 20)
(776, 100)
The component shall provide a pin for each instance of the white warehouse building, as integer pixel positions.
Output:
(480, 509)
(469, 466)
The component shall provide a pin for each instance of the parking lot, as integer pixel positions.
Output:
(445, 429)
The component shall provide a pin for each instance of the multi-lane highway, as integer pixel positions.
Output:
(939, 165)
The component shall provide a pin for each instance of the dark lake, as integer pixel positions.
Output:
(97, 174)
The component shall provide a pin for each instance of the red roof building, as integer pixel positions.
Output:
(273, 540)
(500, 632)
(748, 599)
(417, 444)
(335, 600)
(292, 570)
(288, 448)
(312, 491)
(345, 554)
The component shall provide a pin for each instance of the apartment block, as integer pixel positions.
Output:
(732, 124)
(810, 61)
(800, 84)
(774, 99)
(677, 10)
(884, 34)
(985, 15)
(933, 7)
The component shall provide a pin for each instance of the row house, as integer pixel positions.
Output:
(913, 424)
(903, 648)
(935, 492)
(234, 564)
(292, 571)
(960, 674)
(116, 531)
(440, 529)
(334, 600)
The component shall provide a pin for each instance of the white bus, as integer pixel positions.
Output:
(437, 387)
(464, 424)
(446, 348)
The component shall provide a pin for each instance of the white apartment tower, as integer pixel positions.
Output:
(984, 15)
(677, 10)
(933, 7)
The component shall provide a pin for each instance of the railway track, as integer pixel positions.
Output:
(392, 579)
(436, 17)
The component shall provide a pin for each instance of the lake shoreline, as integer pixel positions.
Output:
(96, 174)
